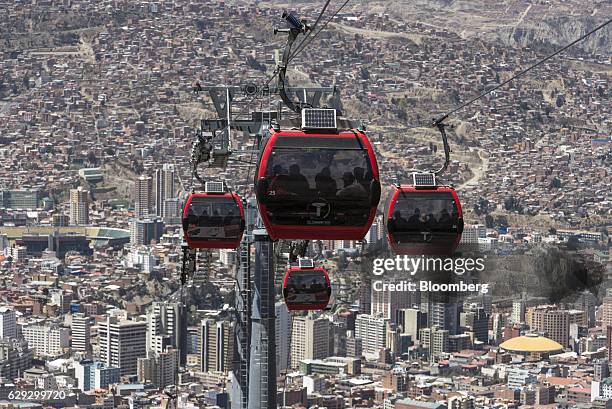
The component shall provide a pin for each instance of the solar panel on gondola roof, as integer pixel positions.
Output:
(319, 118)
(424, 179)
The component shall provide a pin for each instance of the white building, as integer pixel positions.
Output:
(228, 257)
(372, 331)
(143, 258)
(122, 342)
(164, 191)
(471, 233)
(518, 311)
(163, 327)
(143, 199)
(487, 243)
(519, 377)
(46, 340)
(79, 206)
(601, 389)
(436, 341)
(283, 331)
(309, 339)
(81, 333)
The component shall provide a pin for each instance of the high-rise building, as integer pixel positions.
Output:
(83, 372)
(372, 331)
(216, 345)
(411, 321)
(79, 206)
(471, 233)
(586, 302)
(601, 369)
(607, 311)
(309, 339)
(442, 312)
(145, 230)
(143, 192)
(476, 321)
(122, 342)
(159, 369)
(8, 323)
(104, 376)
(365, 297)
(46, 340)
(164, 188)
(609, 342)
(93, 375)
(283, 331)
(550, 320)
(386, 303)
(15, 357)
(498, 328)
(354, 346)
(172, 208)
(518, 311)
(80, 333)
(434, 340)
(163, 327)
(20, 199)
(545, 394)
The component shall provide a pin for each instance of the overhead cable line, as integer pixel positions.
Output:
(515, 76)
(305, 43)
(315, 25)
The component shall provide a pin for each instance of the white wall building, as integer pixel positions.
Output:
(372, 331)
(46, 340)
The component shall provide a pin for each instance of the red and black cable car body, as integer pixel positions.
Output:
(424, 220)
(312, 185)
(213, 220)
(306, 289)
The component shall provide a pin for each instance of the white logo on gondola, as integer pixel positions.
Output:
(427, 236)
(322, 208)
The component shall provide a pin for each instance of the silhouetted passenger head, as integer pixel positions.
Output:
(294, 169)
(277, 170)
(359, 173)
(348, 178)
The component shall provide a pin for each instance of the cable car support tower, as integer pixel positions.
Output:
(254, 370)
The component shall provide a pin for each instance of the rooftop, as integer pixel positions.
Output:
(531, 343)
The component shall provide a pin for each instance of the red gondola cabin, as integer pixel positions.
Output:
(315, 185)
(424, 221)
(306, 288)
(213, 220)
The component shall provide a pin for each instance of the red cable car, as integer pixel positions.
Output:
(316, 185)
(306, 287)
(424, 220)
(213, 220)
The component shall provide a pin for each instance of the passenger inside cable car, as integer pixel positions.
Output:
(430, 217)
(210, 218)
(306, 289)
(334, 184)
